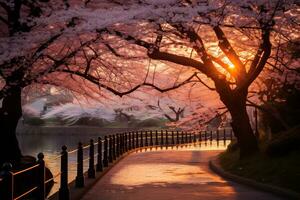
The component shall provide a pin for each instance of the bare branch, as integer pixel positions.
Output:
(96, 81)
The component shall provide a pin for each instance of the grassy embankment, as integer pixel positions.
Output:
(277, 164)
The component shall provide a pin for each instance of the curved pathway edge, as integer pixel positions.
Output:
(215, 167)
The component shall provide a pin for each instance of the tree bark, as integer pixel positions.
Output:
(10, 113)
(240, 124)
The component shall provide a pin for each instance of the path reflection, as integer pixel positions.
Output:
(161, 174)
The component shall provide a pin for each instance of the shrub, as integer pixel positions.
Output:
(284, 143)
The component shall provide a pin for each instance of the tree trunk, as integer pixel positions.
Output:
(243, 132)
(236, 104)
(10, 113)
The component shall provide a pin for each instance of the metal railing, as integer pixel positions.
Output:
(109, 149)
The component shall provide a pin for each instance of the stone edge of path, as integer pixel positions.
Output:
(215, 167)
(78, 193)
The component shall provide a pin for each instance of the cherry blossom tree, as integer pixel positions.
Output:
(92, 46)
(45, 42)
(230, 42)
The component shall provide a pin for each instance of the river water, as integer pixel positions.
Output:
(50, 145)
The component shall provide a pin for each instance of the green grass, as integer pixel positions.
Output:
(282, 171)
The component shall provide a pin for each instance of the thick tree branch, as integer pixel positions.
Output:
(227, 49)
(96, 81)
(266, 48)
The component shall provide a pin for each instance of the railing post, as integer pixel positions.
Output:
(177, 137)
(41, 177)
(132, 140)
(79, 181)
(123, 143)
(200, 136)
(173, 141)
(167, 138)
(142, 139)
(64, 188)
(182, 137)
(151, 138)
(114, 147)
(137, 139)
(195, 139)
(224, 135)
(211, 135)
(146, 138)
(99, 166)
(156, 137)
(190, 138)
(186, 137)
(7, 185)
(110, 156)
(161, 138)
(91, 170)
(105, 153)
(129, 140)
(205, 135)
(118, 145)
(217, 135)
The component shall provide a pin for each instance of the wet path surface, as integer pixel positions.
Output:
(169, 175)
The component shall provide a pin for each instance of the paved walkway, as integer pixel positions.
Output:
(169, 175)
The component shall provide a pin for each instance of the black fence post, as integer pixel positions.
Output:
(123, 142)
(156, 138)
(186, 137)
(129, 140)
(211, 135)
(6, 189)
(99, 166)
(195, 139)
(173, 141)
(146, 138)
(126, 142)
(110, 156)
(224, 135)
(105, 153)
(142, 140)
(161, 137)
(118, 145)
(182, 137)
(217, 135)
(114, 147)
(41, 177)
(132, 140)
(205, 135)
(190, 138)
(91, 170)
(137, 139)
(64, 193)
(79, 181)
(200, 136)
(167, 138)
(151, 138)
(177, 137)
